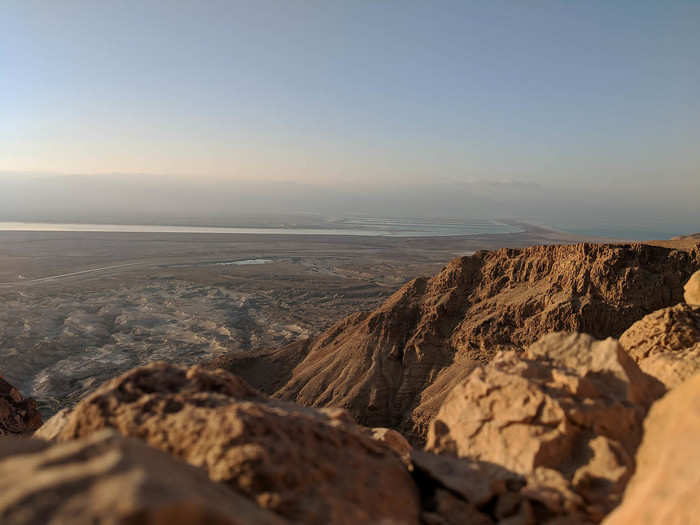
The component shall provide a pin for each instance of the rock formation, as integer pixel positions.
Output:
(666, 343)
(310, 466)
(394, 366)
(108, 479)
(692, 290)
(50, 429)
(665, 487)
(17, 414)
(567, 416)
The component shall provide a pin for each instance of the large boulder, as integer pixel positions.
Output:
(692, 290)
(665, 487)
(108, 479)
(310, 466)
(17, 414)
(666, 343)
(52, 426)
(567, 415)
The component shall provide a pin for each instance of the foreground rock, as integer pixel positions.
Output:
(567, 416)
(108, 479)
(310, 466)
(17, 415)
(666, 485)
(666, 344)
(393, 367)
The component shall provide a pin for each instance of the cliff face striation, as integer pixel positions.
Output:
(308, 466)
(393, 367)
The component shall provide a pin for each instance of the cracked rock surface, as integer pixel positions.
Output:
(107, 479)
(394, 366)
(309, 466)
(567, 415)
(666, 343)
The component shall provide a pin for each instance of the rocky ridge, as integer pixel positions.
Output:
(394, 366)
(666, 343)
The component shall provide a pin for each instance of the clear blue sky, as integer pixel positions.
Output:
(560, 94)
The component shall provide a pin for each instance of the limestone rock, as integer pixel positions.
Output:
(462, 490)
(692, 290)
(393, 367)
(17, 414)
(111, 480)
(52, 426)
(310, 466)
(567, 415)
(665, 487)
(393, 440)
(666, 343)
(477, 482)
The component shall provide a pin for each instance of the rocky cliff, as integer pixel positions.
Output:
(394, 366)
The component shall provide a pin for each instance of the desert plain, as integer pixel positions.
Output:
(77, 308)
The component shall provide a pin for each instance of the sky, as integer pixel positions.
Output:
(577, 114)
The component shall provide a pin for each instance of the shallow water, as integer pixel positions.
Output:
(354, 226)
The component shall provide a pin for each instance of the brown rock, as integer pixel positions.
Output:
(692, 290)
(567, 415)
(108, 479)
(666, 343)
(393, 367)
(52, 426)
(665, 487)
(393, 440)
(451, 510)
(311, 466)
(463, 490)
(17, 414)
(477, 482)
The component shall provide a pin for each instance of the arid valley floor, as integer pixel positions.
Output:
(78, 308)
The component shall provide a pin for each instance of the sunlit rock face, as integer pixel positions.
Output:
(566, 415)
(310, 466)
(108, 479)
(665, 486)
(394, 366)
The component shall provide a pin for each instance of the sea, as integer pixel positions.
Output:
(356, 226)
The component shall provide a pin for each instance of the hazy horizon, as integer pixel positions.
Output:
(584, 117)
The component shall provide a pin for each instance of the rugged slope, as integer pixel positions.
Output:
(394, 366)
